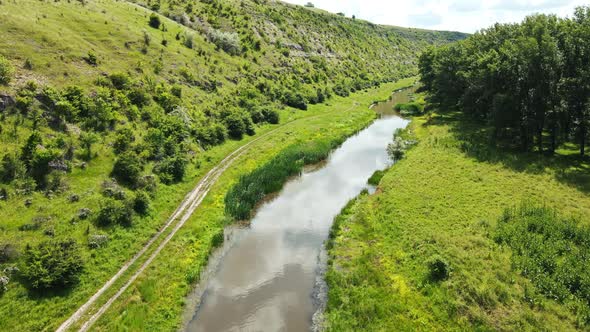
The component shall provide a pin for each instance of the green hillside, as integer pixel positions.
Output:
(110, 112)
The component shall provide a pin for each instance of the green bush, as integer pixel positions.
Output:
(6, 71)
(114, 212)
(155, 21)
(171, 169)
(239, 123)
(270, 115)
(438, 268)
(120, 81)
(141, 202)
(52, 264)
(128, 168)
(11, 167)
(229, 42)
(91, 59)
(295, 100)
(123, 140)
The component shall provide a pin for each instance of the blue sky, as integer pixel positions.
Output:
(458, 15)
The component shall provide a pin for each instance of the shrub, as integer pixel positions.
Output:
(114, 212)
(139, 97)
(28, 64)
(270, 115)
(238, 123)
(155, 21)
(396, 149)
(295, 100)
(188, 40)
(6, 71)
(52, 264)
(147, 39)
(229, 42)
(341, 90)
(87, 139)
(40, 165)
(84, 213)
(141, 202)
(96, 241)
(123, 140)
(171, 169)
(128, 168)
(30, 146)
(11, 167)
(120, 81)
(438, 268)
(91, 59)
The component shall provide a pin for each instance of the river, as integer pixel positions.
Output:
(265, 278)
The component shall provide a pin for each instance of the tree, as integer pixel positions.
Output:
(30, 146)
(123, 140)
(53, 264)
(115, 212)
(528, 81)
(87, 139)
(171, 169)
(128, 168)
(155, 21)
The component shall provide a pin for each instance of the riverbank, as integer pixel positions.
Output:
(157, 298)
(442, 202)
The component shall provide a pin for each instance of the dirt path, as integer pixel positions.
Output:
(191, 201)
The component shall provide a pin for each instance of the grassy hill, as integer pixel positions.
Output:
(111, 111)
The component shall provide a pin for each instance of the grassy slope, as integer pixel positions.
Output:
(444, 198)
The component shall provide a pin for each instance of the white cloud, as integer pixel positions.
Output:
(458, 15)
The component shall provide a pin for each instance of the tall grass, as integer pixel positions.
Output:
(251, 188)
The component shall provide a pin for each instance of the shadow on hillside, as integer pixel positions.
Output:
(475, 141)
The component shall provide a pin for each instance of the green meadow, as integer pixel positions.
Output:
(449, 241)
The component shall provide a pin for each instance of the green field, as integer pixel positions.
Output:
(442, 202)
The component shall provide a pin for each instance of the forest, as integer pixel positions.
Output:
(529, 81)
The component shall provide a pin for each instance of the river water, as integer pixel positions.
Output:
(265, 276)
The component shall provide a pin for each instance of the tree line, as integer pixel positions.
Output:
(529, 81)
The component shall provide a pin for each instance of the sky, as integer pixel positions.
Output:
(456, 15)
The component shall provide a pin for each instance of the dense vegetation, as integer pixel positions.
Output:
(252, 188)
(552, 252)
(529, 81)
